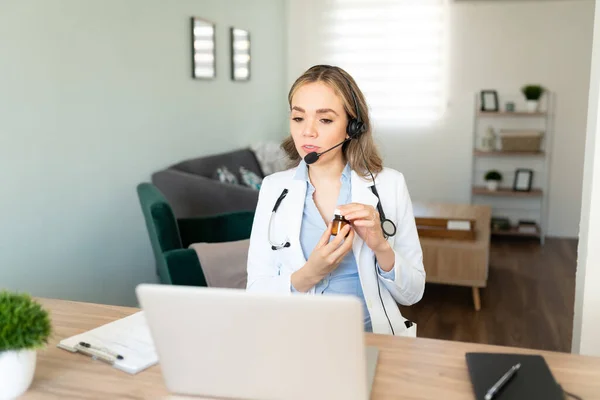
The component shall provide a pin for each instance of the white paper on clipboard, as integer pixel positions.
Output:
(129, 337)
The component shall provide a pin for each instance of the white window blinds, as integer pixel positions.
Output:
(395, 50)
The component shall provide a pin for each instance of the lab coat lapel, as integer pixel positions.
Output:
(361, 193)
(295, 198)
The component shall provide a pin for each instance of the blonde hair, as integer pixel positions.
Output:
(345, 87)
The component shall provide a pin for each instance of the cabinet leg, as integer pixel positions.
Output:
(476, 298)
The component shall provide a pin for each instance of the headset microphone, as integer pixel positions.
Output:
(312, 157)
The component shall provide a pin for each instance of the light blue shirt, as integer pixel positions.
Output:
(344, 280)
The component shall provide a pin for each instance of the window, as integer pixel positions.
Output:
(395, 50)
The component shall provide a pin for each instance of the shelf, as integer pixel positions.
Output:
(511, 114)
(513, 205)
(513, 231)
(500, 153)
(505, 192)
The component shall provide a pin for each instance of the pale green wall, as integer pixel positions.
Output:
(94, 97)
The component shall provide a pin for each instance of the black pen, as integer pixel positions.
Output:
(89, 346)
(501, 382)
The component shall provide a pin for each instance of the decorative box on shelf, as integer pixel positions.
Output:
(521, 140)
(526, 226)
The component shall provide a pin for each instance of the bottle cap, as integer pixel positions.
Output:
(337, 212)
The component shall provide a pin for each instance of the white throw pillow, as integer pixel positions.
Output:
(270, 156)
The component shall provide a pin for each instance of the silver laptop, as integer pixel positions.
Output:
(229, 343)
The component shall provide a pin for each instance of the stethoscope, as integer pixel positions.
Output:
(387, 226)
(277, 246)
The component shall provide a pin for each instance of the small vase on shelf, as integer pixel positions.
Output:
(532, 106)
(532, 95)
(492, 179)
(492, 186)
(488, 140)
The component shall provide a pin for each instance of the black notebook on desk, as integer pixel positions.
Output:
(532, 381)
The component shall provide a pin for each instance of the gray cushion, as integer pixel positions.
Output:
(224, 264)
(195, 196)
(206, 166)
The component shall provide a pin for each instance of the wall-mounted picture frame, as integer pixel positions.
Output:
(523, 180)
(203, 49)
(489, 101)
(240, 54)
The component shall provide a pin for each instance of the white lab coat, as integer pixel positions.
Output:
(270, 271)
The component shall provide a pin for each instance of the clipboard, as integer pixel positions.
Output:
(126, 344)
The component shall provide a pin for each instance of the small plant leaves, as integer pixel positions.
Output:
(24, 323)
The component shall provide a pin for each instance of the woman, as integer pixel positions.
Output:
(292, 250)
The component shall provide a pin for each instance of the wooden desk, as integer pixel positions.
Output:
(457, 262)
(416, 369)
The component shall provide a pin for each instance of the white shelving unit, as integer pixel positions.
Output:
(506, 202)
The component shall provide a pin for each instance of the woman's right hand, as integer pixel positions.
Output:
(325, 258)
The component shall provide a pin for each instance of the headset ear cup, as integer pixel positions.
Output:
(354, 128)
(360, 128)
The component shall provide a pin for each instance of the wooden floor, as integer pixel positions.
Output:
(528, 301)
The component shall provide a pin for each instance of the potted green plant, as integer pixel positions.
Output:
(492, 178)
(24, 328)
(532, 94)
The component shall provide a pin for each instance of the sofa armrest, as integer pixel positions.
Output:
(192, 195)
(226, 227)
(184, 268)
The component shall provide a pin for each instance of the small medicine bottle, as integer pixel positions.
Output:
(338, 222)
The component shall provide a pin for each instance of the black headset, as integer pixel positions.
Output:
(355, 128)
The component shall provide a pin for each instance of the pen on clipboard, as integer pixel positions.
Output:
(102, 349)
(96, 355)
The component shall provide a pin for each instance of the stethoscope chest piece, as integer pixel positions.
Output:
(388, 228)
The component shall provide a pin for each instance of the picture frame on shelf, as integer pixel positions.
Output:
(523, 180)
(489, 101)
(203, 49)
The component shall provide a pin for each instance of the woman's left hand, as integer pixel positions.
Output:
(365, 220)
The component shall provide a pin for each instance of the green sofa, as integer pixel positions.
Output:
(176, 264)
